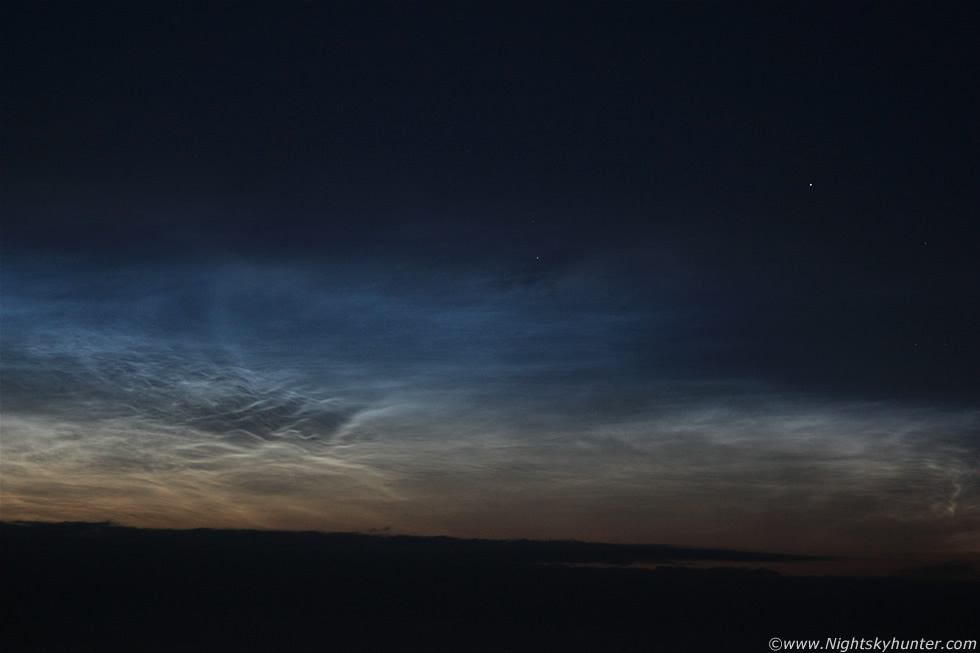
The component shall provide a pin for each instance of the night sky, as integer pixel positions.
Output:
(689, 273)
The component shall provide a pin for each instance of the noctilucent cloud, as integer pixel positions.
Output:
(702, 276)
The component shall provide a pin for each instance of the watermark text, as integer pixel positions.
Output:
(845, 644)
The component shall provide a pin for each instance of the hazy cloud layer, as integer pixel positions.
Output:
(446, 400)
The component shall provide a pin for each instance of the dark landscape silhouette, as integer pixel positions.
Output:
(99, 586)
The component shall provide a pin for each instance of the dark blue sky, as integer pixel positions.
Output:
(694, 273)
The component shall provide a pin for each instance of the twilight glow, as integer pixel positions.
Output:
(587, 278)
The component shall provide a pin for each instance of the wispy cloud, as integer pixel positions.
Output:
(331, 397)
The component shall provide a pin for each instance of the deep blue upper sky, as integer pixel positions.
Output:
(664, 139)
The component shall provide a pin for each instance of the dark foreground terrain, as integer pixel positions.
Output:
(71, 587)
